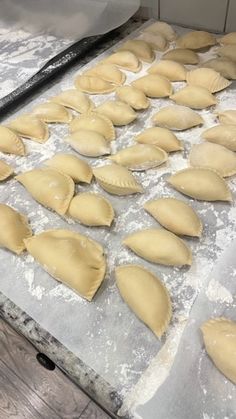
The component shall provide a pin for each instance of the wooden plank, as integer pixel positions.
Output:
(61, 394)
(93, 411)
(18, 400)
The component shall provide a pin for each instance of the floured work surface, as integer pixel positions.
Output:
(105, 334)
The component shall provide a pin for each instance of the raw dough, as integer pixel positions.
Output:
(141, 49)
(202, 184)
(5, 170)
(153, 85)
(93, 85)
(227, 117)
(162, 27)
(107, 72)
(181, 55)
(228, 51)
(93, 121)
(175, 215)
(172, 70)
(118, 112)
(88, 143)
(222, 134)
(161, 137)
(195, 97)
(156, 41)
(29, 126)
(91, 209)
(208, 78)
(72, 166)
(219, 335)
(116, 180)
(71, 258)
(52, 112)
(228, 39)
(224, 66)
(140, 157)
(177, 117)
(159, 246)
(74, 99)
(196, 40)
(10, 142)
(133, 97)
(14, 228)
(146, 295)
(124, 59)
(49, 187)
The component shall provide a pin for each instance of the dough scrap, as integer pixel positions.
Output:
(181, 55)
(124, 59)
(29, 126)
(146, 296)
(228, 51)
(52, 112)
(196, 40)
(133, 97)
(49, 187)
(5, 170)
(72, 166)
(116, 180)
(176, 216)
(10, 142)
(228, 39)
(213, 156)
(160, 137)
(93, 85)
(219, 335)
(91, 209)
(177, 118)
(202, 184)
(72, 258)
(93, 121)
(163, 28)
(159, 246)
(14, 228)
(172, 70)
(107, 72)
(222, 134)
(224, 66)
(153, 85)
(141, 49)
(208, 78)
(196, 97)
(118, 112)
(156, 40)
(88, 143)
(74, 99)
(140, 157)
(227, 117)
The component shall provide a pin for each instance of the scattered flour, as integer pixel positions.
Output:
(218, 293)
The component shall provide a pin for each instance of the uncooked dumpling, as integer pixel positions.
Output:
(159, 246)
(222, 134)
(176, 216)
(140, 157)
(213, 156)
(29, 126)
(52, 112)
(202, 184)
(74, 99)
(208, 78)
(124, 59)
(93, 85)
(227, 117)
(160, 137)
(88, 143)
(228, 39)
(153, 85)
(91, 209)
(146, 295)
(177, 118)
(162, 27)
(156, 41)
(172, 70)
(71, 258)
(219, 335)
(93, 121)
(133, 97)
(116, 180)
(228, 51)
(181, 55)
(195, 97)
(196, 40)
(118, 112)
(224, 66)
(107, 72)
(14, 228)
(72, 166)
(5, 170)
(141, 49)
(10, 142)
(49, 187)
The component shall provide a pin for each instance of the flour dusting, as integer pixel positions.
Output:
(217, 292)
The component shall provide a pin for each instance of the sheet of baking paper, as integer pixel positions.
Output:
(105, 334)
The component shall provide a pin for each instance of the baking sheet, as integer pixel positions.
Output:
(105, 334)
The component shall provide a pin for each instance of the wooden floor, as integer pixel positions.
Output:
(29, 391)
